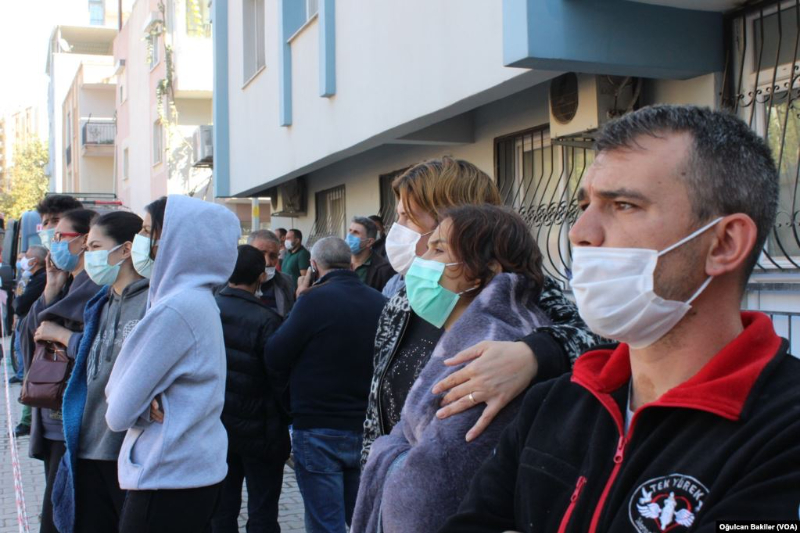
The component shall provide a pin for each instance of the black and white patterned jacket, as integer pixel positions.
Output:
(556, 346)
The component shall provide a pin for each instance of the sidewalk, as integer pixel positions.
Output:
(291, 505)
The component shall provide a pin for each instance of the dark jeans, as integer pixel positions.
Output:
(264, 482)
(327, 465)
(18, 354)
(170, 511)
(53, 452)
(99, 499)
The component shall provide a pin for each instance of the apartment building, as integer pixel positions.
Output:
(319, 104)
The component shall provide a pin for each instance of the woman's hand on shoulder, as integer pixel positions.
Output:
(496, 374)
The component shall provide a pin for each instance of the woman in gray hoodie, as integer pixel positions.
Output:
(173, 460)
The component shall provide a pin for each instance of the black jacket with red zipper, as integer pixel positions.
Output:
(723, 445)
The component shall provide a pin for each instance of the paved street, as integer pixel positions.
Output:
(291, 505)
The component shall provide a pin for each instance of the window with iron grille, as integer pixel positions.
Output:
(388, 210)
(331, 218)
(539, 180)
(762, 87)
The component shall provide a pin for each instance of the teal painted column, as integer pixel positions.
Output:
(327, 48)
(291, 15)
(220, 101)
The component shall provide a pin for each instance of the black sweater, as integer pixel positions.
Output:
(325, 348)
(252, 416)
(33, 290)
(721, 446)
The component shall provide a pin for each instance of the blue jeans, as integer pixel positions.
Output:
(18, 354)
(327, 466)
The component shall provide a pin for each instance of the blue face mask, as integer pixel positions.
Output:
(46, 236)
(64, 260)
(354, 243)
(429, 300)
(19, 265)
(96, 264)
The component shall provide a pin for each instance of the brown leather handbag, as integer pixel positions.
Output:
(46, 379)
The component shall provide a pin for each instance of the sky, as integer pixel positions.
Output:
(25, 27)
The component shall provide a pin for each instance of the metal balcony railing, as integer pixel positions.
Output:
(98, 133)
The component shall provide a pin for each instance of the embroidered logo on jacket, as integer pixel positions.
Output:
(667, 503)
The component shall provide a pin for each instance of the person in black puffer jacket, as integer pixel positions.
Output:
(258, 435)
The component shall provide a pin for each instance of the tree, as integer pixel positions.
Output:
(28, 181)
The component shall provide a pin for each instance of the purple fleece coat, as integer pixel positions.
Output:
(417, 476)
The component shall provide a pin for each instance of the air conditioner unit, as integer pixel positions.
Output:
(289, 199)
(581, 103)
(203, 144)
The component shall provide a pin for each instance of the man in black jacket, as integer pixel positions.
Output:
(277, 291)
(693, 418)
(371, 268)
(33, 266)
(324, 349)
(258, 434)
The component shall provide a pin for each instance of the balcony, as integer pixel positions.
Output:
(97, 138)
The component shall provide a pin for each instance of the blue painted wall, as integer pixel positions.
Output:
(612, 37)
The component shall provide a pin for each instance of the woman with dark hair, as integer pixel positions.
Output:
(167, 388)
(501, 370)
(58, 317)
(86, 495)
(480, 279)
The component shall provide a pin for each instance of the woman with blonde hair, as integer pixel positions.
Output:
(501, 370)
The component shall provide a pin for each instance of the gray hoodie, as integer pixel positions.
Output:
(177, 352)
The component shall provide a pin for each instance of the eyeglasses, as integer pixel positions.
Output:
(59, 236)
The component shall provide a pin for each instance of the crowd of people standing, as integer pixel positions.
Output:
(430, 377)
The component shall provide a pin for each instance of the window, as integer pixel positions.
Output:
(97, 13)
(126, 164)
(158, 142)
(152, 47)
(197, 18)
(330, 219)
(253, 38)
(765, 93)
(540, 181)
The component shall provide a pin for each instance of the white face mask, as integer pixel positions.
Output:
(401, 247)
(288, 244)
(614, 291)
(270, 273)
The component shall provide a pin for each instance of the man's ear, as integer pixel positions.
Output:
(733, 240)
(495, 267)
(314, 265)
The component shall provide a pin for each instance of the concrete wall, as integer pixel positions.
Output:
(400, 66)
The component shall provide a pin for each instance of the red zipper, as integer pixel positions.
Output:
(618, 456)
(572, 501)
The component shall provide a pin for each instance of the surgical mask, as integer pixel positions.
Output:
(19, 265)
(25, 264)
(429, 300)
(270, 272)
(288, 244)
(46, 236)
(401, 247)
(615, 295)
(354, 243)
(140, 255)
(96, 265)
(64, 260)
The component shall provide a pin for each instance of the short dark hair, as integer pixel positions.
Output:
(57, 203)
(156, 209)
(297, 233)
(81, 219)
(729, 170)
(484, 233)
(377, 219)
(369, 226)
(120, 226)
(281, 232)
(250, 264)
